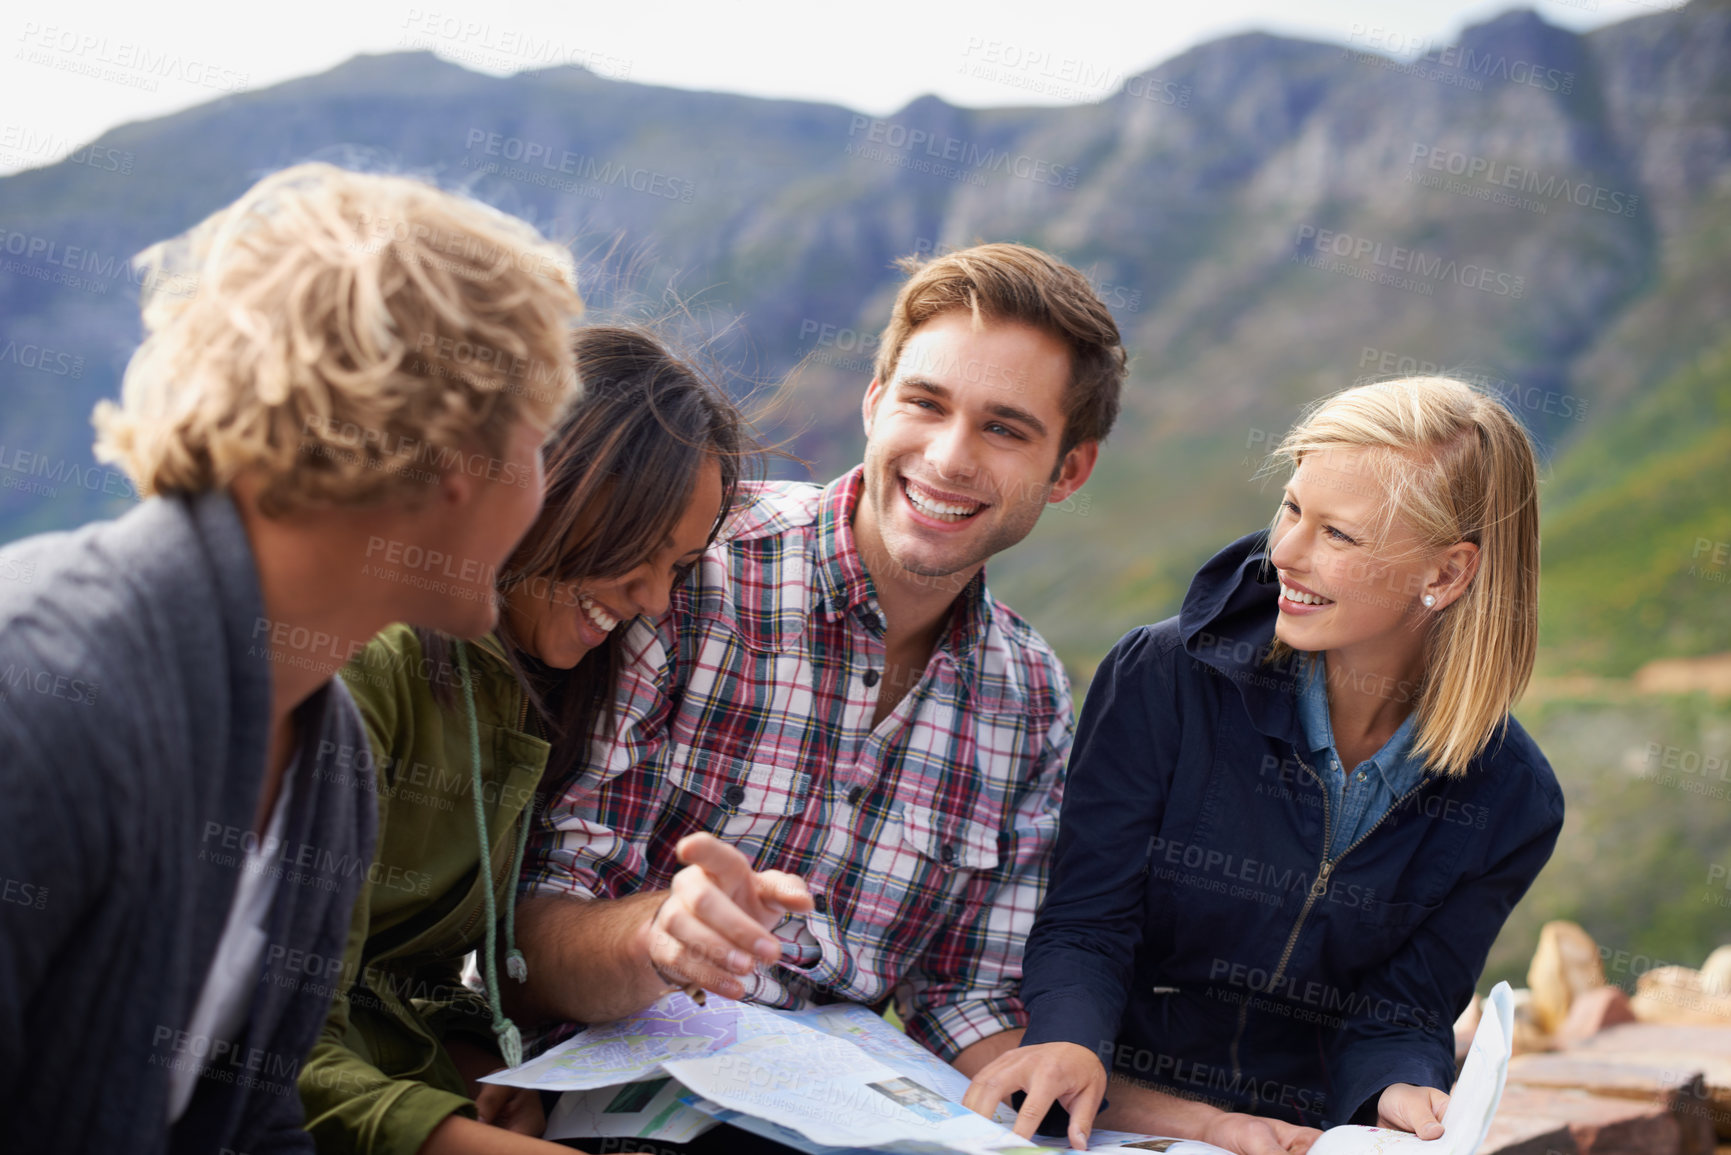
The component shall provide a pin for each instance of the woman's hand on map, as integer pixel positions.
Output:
(1404, 1107)
(712, 927)
(1065, 1073)
(1073, 1077)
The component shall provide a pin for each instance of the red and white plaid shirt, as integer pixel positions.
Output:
(746, 711)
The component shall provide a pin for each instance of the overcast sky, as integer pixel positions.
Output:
(75, 69)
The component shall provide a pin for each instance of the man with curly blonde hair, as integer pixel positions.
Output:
(335, 419)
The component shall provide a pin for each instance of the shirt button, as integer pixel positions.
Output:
(734, 794)
(1361, 775)
(820, 903)
(871, 678)
(854, 795)
(948, 854)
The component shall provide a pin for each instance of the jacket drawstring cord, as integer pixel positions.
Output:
(510, 1039)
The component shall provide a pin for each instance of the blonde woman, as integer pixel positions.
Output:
(1299, 812)
(181, 791)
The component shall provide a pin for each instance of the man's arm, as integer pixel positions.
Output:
(603, 959)
(586, 946)
(599, 945)
(1072, 1077)
(1147, 1111)
(975, 1056)
(590, 958)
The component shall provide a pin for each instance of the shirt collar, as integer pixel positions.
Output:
(1395, 762)
(970, 616)
(841, 573)
(846, 587)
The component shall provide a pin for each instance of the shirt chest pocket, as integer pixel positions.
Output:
(948, 843)
(737, 800)
(915, 879)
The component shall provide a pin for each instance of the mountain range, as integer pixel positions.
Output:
(1270, 219)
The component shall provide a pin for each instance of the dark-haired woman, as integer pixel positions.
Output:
(640, 475)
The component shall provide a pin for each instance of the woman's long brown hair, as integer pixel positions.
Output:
(620, 470)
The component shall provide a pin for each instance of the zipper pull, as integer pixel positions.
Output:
(1320, 886)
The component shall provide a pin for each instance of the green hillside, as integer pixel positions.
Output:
(1637, 551)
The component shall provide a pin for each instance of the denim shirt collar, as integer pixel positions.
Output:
(1395, 762)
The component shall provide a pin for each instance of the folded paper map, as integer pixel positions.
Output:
(840, 1079)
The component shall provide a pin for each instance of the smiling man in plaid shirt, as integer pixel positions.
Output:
(837, 761)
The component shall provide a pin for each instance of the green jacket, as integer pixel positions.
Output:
(379, 1080)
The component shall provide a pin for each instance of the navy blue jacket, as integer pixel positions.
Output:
(1195, 936)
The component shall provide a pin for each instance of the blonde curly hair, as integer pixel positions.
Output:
(345, 336)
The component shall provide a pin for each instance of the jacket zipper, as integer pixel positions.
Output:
(1317, 890)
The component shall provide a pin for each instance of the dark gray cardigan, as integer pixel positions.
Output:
(134, 710)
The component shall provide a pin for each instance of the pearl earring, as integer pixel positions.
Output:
(1429, 600)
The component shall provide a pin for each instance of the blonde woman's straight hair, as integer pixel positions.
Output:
(1457, 466)
(347, 337)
